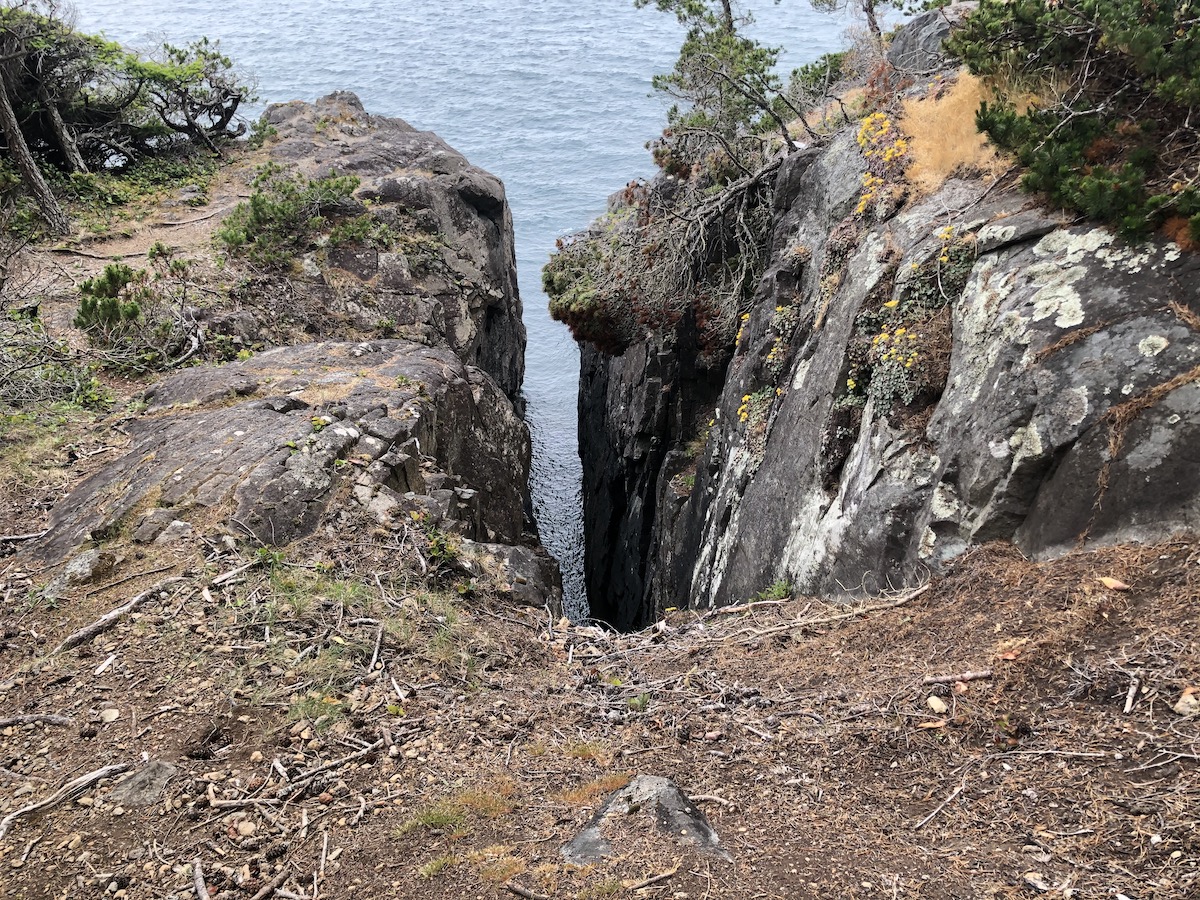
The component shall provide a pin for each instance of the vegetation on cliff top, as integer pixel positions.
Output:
(73, 105)
(1099, 100)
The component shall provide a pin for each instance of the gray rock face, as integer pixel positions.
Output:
(647, 803)
(1067, 415)
(456, 285)
(283, 437)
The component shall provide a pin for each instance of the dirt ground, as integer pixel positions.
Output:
(338, 731)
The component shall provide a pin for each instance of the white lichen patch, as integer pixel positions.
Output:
(1026, 442)
(1152, 345)
(1056, 295)
(996, 235)
(928, 544)
(1075, 405)
(1072, 248)
(944, 504)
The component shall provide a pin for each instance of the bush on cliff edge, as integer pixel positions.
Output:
(1098, 99)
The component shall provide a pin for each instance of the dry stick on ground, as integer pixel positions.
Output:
(109, 619)
(654, 879)
(304, 777)
(34, 719)
(198, 880)
(954, 679)
(825, 620)
(525, 892)
(276, 882)
(113, 584)
(15, 538)
(68, 791)
(929, 818)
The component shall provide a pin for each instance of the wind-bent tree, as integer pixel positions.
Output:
(80, 103)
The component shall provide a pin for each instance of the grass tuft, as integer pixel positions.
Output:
(943, 139)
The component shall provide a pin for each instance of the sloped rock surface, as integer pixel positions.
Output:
(274, 443)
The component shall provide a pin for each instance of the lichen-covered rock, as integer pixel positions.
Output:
(1051, 400)
(273, 443)
(455, 284)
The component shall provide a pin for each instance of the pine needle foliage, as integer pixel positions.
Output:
(1098, 99)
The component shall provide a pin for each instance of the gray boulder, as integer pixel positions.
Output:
(649, 808)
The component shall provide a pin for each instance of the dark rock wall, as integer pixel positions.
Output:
(1069, 415)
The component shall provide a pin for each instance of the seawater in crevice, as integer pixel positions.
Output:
(552, 98)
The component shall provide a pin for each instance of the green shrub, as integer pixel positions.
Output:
(104, 303)
(282, 215)
(1096, 98)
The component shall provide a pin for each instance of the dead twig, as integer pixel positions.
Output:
(838, 617)
(525, 892)
(34, 719)
(198, 880)
(929, 818)
(113, 584)
(269, 889)
(16, 538)
(68, 791)
(111, 618)
(653, 879)
(304, 777)
(962, 676)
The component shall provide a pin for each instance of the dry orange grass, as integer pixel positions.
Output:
(943, 140)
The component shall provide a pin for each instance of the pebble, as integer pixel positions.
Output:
(246, 828)
(109, 715)
(118, 811)
(256, 756)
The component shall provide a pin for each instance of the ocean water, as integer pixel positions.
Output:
(552, 96)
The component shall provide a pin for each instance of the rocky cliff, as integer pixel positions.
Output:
(911, 379)
(405, 412)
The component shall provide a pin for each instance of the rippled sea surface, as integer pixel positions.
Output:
(553, 97)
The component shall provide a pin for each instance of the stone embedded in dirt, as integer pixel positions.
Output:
(87, 567)
(937, 704)
(1188, 703)
(108, 716)
(625, 819)
(144, 786)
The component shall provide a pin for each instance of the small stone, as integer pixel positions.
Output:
(937, 704)
(256, 756)
(246, 828)
(108, 716)
(326, 798)
(118, 811)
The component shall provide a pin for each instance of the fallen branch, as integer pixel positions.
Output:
(113, 584)
(16, 538)
(952, 679)
(68, 791)
(838, 617)
(111, 618)
(525, 892)
(710, 798)
(198, 880)
(48, 718)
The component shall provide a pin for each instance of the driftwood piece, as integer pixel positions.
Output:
(68, 791)
(111, 618)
